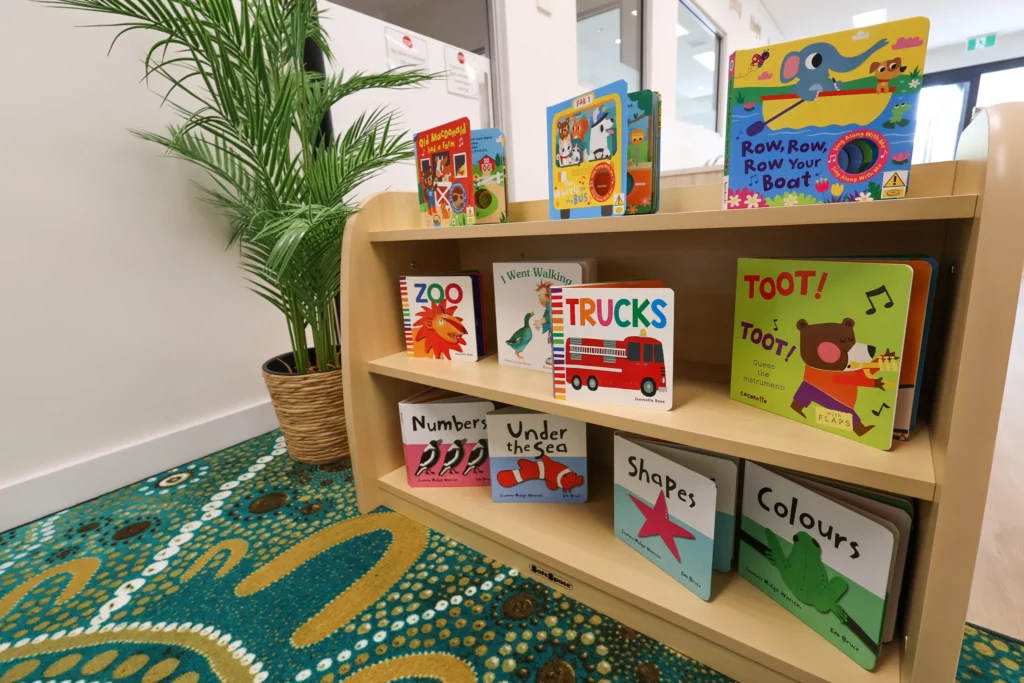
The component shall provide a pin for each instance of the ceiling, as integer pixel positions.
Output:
(952, 21)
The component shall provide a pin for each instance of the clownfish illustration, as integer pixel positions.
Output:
(555, 474)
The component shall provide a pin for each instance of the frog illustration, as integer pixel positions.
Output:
(898, 112)
(805, 574)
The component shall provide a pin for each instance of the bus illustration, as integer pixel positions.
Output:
(630, 363)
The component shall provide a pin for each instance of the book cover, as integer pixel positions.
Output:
(586, 154)
(824, 119)
(489, 173)
(666, 512)
(721, 469)
(442, 315)
(643, 115)
(613, 343)
(537, 457)
(522, 309)
(444, 437)
(444, 161)
(821, 342)
(824, 562)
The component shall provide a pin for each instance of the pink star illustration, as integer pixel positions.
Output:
(657, 523)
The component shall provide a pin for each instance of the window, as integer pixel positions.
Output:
(997, 87)
(633, 351)
(659, 354)
(939, 110)
(698, 54)
(648, 353)
(608, 42)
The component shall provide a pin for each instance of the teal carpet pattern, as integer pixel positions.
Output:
(245, 566)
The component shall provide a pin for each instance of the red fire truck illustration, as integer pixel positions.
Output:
(630, 363)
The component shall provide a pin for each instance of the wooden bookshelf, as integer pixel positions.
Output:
(960, 213)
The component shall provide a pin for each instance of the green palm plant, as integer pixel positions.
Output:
(252, 117)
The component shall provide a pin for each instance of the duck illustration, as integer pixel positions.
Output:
(519, 340)
(477, 457)
(453, 457)
(431, 454)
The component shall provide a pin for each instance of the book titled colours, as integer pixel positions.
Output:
(536, 457)
(613, 342)
(821, 342)
(444, 437)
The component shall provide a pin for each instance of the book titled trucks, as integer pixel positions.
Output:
(444, 437)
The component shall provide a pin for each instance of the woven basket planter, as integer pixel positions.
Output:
(311, 410)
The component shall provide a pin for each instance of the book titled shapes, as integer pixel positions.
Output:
(536, 457)
(522, 307)
(821, 342)
(666, 512)
(442, 316)
(643, 152)
(444, 436)
(825, 554)
(613, 343)
(444, 163)
(587, 155)
(489, 176)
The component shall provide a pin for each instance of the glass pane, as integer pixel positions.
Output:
(608, 45)
(697, 59)
(997, 87)
(938, 122)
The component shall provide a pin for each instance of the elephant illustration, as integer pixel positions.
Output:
(814, 65)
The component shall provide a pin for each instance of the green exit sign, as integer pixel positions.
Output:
(981, 42)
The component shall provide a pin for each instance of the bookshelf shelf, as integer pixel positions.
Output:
(961, 213)
(704, 417)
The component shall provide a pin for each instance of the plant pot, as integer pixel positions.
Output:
(310, 409)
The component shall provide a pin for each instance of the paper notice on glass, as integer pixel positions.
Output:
(461, 73)
(404, 48)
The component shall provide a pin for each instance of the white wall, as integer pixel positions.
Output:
(955, 56)
(123, 317)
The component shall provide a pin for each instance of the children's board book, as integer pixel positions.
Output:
(586, 154)
(613, 342)
(445, 439)
(824, 119)
(828, 555)
(538, 458)
(490, 196)
(444, 162)
(721, 469)
(643, 152)
(822, 342)
(666, 512)
(522, 307)
(443, 315)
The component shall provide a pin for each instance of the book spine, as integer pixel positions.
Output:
(557, 344)
(403, 287)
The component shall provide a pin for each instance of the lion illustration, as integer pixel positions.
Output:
(438, 331)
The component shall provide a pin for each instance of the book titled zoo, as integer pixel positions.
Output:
(444, 437)
(444, 163)
(490, 196)
(536, 457)
(821, 342)
(826, 555)
(613, 343)
(443, 315)
(666, 512)
(643, 152)
(522, 307)
(824, 119)
(587, 155)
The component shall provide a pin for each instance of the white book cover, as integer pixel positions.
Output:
(445, 439)
(442, 316)
(666, 512)
(613, 343)
(537, 457)
(522, 308)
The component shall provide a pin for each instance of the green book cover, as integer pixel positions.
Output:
(820, 342)
(825, 562)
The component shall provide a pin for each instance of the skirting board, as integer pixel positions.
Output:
(41, 495)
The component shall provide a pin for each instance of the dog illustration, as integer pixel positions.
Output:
(602, 128)
(886, 71)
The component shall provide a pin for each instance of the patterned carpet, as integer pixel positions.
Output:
(245, 566)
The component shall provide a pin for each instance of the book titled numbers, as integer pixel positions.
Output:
(444, 437)
(443, 316)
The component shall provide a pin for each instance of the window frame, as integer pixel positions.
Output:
(641, 20)
(716, 92)
(971, 76)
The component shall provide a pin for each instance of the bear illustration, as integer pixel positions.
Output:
(833, 374)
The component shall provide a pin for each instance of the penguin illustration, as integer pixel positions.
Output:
(431, 454)
(477, 458)
(453, 457)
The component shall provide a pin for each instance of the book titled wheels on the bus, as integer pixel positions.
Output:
(612, 343)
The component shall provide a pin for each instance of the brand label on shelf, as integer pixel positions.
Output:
(551, 576)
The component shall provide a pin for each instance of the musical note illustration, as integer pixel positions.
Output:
(882, 407)
(776, 321)
(877, 292)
